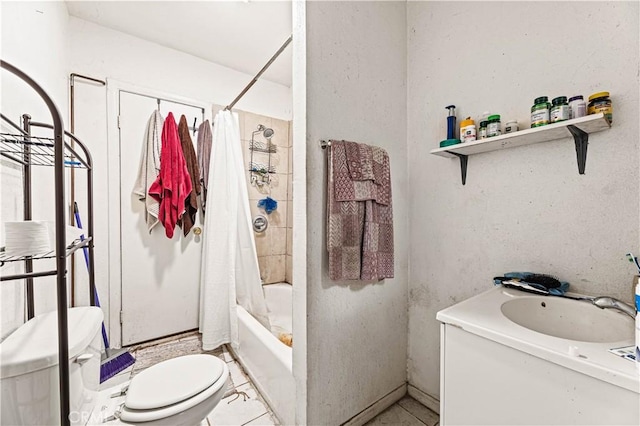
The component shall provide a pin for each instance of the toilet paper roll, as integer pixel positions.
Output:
(72, 233)
(26, 238)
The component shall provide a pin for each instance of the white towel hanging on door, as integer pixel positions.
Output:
(150, 169)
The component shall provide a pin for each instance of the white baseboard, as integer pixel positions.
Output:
(425, 399)
(377, 407)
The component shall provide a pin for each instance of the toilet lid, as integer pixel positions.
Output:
(216, 390)
(172, 381)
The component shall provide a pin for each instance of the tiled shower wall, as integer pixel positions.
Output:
(273, 245)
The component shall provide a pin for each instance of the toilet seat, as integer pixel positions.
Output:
(173, 386)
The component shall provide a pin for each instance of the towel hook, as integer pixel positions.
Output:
(195, 119)
(158, 99)
(324, 144)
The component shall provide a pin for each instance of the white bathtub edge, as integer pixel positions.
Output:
(280, 398)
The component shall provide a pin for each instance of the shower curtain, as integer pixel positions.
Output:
(230, 270)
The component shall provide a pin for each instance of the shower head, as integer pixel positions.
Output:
(266, 132)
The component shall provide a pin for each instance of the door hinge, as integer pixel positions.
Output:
(119, 122)
(121, 317)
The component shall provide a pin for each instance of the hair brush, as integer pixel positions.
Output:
(546, 281)
(540, 282)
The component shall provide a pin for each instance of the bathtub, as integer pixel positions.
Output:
(266, 359)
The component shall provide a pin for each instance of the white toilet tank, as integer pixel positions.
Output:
(29, 369)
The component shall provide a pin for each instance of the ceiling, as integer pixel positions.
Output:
(242, 35)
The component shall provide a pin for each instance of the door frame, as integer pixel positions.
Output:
(114, 277)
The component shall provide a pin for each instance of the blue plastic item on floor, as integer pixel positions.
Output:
(268, 204)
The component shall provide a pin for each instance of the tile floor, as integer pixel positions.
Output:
(241, 405)
(406, 412)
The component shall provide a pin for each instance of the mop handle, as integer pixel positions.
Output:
(85, 251)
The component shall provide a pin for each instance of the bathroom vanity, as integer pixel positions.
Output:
(511, 358)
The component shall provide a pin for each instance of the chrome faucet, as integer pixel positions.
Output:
(606, 302)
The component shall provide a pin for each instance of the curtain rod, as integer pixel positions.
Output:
(159, 99)
(255, 79)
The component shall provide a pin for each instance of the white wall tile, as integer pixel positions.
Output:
(290, 186)
(280, 160)
(279, 187)
(262, 265)
(278, 240)
(278, 218)
(281, 132)
(288, 273)
(257, 192)
(289, 241)
(263, 242)
(251, 122)
(272, 268)
(290, 215)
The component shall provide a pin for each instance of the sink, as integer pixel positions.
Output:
(535, 351)
(569, 319)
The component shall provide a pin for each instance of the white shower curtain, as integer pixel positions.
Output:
(230, 270)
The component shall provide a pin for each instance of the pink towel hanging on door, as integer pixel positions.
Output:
(173, 184)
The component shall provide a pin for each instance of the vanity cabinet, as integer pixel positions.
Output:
(483, 382)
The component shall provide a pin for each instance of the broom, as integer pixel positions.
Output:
(112, 361)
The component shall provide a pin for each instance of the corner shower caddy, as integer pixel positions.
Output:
(578, 128)
(260, 173)
(28, 151)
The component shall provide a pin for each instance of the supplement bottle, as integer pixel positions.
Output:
(511, 126)
(560, 110)
(577, 106)
(467, 130)
(494, 128)
(483, 129)
(540, 112)
(600, 102)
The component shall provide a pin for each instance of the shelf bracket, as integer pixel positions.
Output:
(581, 139)
(464, 159)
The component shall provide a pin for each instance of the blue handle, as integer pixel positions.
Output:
(85, 251)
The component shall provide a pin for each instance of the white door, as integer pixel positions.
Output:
(160, 276)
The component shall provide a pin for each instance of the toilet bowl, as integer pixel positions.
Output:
(179, 391)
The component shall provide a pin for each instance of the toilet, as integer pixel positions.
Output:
(179, 391)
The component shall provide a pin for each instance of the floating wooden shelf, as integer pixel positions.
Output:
(578, 128)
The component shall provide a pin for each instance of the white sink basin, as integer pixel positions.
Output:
(569, 319)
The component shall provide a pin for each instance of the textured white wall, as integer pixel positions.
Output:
(527, 208)
(34, 39)
(356, 332)
(100, 51)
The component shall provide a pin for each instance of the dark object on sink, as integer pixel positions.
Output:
(547, 281)
(533, 282)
